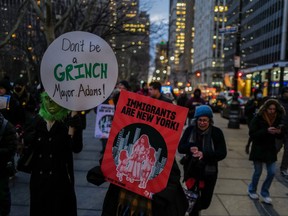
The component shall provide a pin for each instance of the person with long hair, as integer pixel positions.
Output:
(264, 128)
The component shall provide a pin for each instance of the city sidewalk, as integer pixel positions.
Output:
(230, 197)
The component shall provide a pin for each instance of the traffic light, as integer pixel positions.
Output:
(240, 74)
(198, 74)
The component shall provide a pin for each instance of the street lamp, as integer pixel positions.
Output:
(234, 121)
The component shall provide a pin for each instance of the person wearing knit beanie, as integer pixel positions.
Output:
(203, 110)
(203, 145)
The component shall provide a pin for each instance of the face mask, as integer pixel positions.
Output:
(51, 106)
(259, 96)
(285, 96)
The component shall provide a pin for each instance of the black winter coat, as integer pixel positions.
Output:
(52, 177)
(8, 146)
(210, 157)
(263, 143)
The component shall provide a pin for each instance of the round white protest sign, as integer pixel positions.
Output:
(79, 70)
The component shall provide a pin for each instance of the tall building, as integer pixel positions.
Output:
(262, 29)
(180, 41)
(161, 63)
(189, 39)
(133, 42)
(208, 62)
(17, 55)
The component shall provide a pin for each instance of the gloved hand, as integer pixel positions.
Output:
(74, 121)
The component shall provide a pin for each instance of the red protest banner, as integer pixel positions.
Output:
(142, 143)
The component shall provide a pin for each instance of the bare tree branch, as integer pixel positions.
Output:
(65, 16)
(38, 10)
(22, 11)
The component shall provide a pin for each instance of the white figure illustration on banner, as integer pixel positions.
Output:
(138, 165)
(138, 155)
(146, 167)
(122, 164)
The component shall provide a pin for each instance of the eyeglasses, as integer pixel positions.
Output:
(203, 120)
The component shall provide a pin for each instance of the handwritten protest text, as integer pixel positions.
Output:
(82, 91)
(96, 70)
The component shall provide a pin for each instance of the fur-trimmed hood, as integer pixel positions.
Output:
(279, 108)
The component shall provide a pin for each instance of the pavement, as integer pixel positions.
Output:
(230, 195)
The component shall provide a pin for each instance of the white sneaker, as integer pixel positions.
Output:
(253, 196)
(266, 200)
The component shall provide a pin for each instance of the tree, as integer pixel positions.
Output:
(49, 19)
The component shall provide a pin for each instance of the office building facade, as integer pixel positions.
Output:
(209, 43)
(262, 26)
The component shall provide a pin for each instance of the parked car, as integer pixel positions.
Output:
(227, 106)
(217, 103)
(229, 94)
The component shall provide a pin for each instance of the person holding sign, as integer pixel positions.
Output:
(52, 176)
(203, 145)
(170, 201)
(130, 190)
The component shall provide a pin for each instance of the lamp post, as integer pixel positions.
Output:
(234, 121)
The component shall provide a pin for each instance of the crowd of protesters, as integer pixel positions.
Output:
(27, 114)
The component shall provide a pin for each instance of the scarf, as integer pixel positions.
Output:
(204, 137)
(270, 119)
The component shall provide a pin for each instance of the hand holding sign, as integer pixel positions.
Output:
(142, 143)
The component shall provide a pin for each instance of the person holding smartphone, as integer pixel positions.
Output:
(264, 128)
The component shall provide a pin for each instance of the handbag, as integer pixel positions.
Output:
(192, 196)
(24, 163)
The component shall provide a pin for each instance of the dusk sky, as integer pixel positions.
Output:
(159, 12)
(157, 9)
